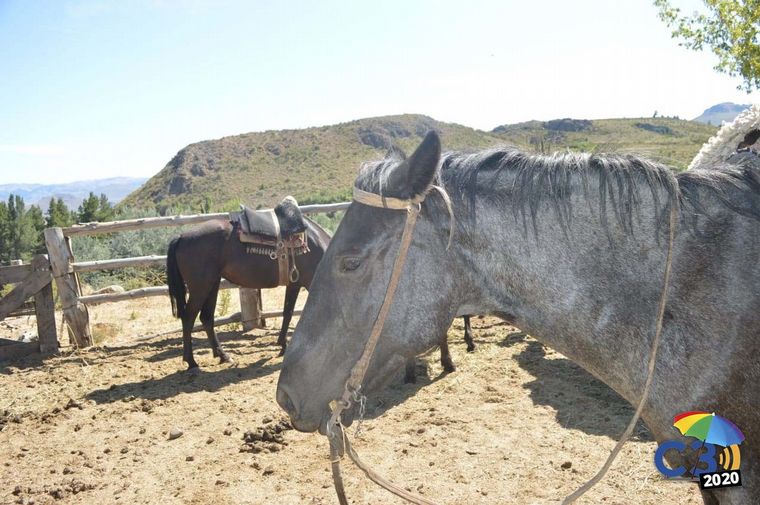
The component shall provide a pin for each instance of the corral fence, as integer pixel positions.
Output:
(65, 270)
(31, 280)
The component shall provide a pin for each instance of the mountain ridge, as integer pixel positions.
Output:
(319, 164)
(72, 193)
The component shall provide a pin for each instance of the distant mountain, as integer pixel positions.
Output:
(115, 188)
(319, 164)
(725, 111)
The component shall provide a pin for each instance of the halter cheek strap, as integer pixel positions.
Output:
(339, 443)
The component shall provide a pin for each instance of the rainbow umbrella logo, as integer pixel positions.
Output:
(710, 429)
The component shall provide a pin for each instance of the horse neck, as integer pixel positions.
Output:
(590, 291)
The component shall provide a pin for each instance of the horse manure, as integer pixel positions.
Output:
(566, 465)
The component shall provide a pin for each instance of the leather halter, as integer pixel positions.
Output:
(339, 443)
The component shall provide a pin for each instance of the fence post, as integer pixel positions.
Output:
(250, 309)
(74, 312)
(44, 310)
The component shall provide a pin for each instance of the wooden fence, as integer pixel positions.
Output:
(65, 271)
(32, 280)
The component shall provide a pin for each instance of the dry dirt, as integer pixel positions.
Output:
(516, 423)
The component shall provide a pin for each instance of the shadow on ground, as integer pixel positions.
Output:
(582, 402)
(205, 378)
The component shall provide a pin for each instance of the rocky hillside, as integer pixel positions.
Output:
(319, 164)
(314, 164)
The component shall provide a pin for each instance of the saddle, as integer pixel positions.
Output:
(279, 234)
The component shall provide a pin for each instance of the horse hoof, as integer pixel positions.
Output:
(410, 379)
(449, 367)
(282, 352)
(223, 358)
(194, 369)
(471, 348)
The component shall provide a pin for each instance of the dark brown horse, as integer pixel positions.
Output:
(198, 260)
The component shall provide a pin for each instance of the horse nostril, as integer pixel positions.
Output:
(283, 399)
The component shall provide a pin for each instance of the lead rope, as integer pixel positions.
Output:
(593, 481)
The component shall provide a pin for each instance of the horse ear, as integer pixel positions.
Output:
(415, 175)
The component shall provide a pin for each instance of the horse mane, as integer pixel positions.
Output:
(616, 180)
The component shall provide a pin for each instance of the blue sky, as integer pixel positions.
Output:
(92, 89)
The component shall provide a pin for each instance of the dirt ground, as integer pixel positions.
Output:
(516, 423)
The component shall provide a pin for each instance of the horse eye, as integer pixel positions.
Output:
(350, 264)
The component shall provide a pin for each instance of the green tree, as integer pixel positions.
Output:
(32, 228)
(105, 209)
(58, 214)
(21, 230)
(4, 232)
(95, 208)
(729, 28)
(88, 211)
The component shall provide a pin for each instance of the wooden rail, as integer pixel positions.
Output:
(14, 274)
(139, 293)
(138, 262)
(236, 317)
(180, 220)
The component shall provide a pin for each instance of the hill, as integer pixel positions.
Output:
(72, 193)
(319, 164)
(314, 164)
(716, 114)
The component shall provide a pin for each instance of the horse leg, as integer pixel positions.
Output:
(446, 362)
(291, 295)
(207, 319)
(410, 374)
(188, 320)
(468, 334)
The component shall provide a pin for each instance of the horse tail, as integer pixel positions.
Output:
(174, 279)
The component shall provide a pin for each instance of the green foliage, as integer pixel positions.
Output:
(729, 28)
(95, 208)
(328, 221)
(58, 214)
(20, 230)
(223, 307)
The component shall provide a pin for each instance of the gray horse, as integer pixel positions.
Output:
(570, 248)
